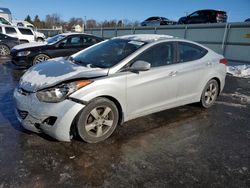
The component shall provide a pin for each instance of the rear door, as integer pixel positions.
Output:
(155, 89)
(190, 70)
(88, 41)
(67, 46)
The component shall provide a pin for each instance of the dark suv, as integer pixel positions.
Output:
(204, 16)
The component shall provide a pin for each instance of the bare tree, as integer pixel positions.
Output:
(53, 20)
(91, 23)
(38, 23)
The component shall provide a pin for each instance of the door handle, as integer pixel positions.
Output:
(173, 73)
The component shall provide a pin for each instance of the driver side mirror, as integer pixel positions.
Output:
(140, 66)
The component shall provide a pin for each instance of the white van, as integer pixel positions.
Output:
(24, 34)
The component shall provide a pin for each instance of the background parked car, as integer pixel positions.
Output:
(26, 55)
(24, 34)
(40, 37)
(247, 20)
(157, 21)
(6, 43)
(204, 16)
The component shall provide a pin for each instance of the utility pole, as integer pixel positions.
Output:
(85, 22)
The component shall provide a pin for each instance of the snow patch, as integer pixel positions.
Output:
(145, 37)
(242, 71)
(29, 45)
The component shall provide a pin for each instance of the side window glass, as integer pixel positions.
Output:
(1, 31)
(89, 41)
(25, 31)
(194, 14)
(72, 41)
(10, 30)
(159, 55)
(190, 52)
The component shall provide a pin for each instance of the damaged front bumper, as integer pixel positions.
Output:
(54, 119)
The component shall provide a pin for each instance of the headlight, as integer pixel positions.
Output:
(23, 53)
(60, 92)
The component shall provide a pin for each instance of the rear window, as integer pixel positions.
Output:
(25, 31)
(190, 52)
(10, 30)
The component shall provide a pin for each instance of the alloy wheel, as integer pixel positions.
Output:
(210, 93)
(99, 121)
(40, 58)
(4, 50)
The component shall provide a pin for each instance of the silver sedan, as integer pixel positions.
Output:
(94, 90)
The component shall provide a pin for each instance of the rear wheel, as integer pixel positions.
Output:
(98, 120)
(40, 58)
(209, 94)
(4, 50)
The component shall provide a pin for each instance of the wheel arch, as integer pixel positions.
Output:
(5, 45)
(219, 83)
(118, 105)
(73, 128)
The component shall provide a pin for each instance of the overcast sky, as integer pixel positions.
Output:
(238, 10)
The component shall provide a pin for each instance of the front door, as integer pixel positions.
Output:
(155, 89)
(68, 46)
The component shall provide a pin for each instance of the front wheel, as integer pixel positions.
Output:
(4, 50)
(97, 120)
(209, 94)
(40, 58)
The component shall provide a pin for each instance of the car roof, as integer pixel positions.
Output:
(214, 10)
(145, 37)
(3, 25)
(74, 33)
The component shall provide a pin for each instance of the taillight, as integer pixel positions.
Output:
(223, 61)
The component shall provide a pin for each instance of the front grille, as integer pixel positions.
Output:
(22, 114)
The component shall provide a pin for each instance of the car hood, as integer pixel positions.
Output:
(56, 71)
(29, 45)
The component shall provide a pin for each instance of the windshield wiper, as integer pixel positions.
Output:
(86, 64)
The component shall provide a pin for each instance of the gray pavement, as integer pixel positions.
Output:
(182, 147)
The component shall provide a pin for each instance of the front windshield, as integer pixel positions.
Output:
(108, 53)
(3, 21)
(53, 40)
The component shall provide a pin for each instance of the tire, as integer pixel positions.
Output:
(40, 40)
(97, 120)
(40, 58)
(4, 50)
(209, 94)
